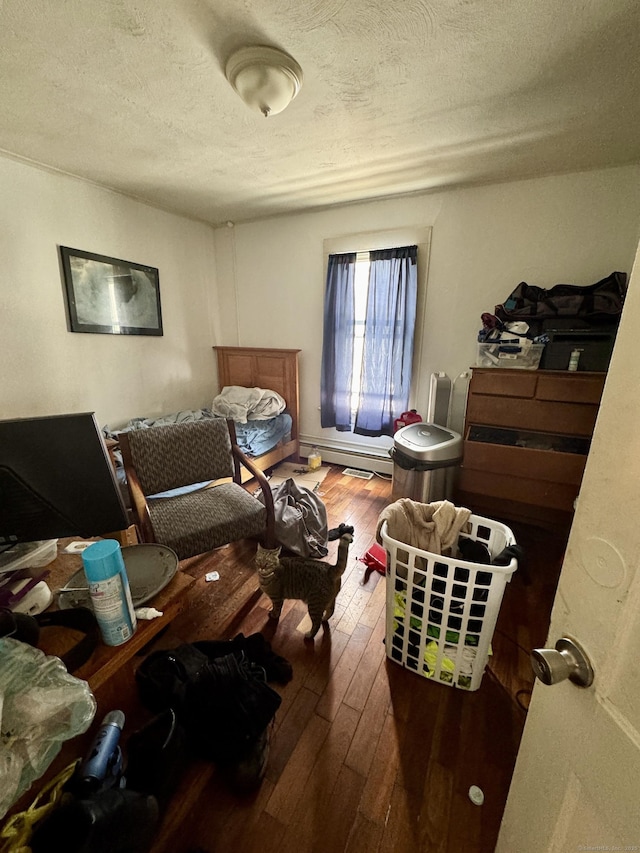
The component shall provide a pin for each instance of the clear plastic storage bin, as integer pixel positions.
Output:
(519, 354)
(29, 555)
(442, 611)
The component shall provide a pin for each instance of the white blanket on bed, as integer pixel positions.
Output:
(247, 404)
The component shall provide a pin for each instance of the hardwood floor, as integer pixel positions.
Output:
(365, 755)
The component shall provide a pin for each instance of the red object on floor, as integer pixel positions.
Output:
(375, 558)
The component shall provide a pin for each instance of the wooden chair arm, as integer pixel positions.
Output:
(112, 446)
(240, 458)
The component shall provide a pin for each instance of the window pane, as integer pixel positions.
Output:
(361, 283)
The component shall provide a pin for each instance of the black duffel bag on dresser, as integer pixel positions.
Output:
(595, 303)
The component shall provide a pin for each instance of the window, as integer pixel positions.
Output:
(369, 324)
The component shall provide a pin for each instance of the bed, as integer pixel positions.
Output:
(277, 370)
(266, 442)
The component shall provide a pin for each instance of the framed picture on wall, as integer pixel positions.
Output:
(110, 297)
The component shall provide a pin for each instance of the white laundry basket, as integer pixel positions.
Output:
(427, 593)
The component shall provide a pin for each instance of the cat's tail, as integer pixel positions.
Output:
(343, 553)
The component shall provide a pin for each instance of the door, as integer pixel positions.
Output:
(576, 784)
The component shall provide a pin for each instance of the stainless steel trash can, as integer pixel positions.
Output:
(425, 456)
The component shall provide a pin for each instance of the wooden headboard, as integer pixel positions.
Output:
(260, 367)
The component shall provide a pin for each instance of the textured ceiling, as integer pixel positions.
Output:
(399, 96)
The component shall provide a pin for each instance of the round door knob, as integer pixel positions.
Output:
(567, 660)
(549, 665)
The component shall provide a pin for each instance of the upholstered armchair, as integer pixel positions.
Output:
(177, 456)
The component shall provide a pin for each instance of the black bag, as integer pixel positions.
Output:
(26, 628)
(599, 302)
(223, 703)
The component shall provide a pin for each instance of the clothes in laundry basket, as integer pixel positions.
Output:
(432, 527)
(449, 655)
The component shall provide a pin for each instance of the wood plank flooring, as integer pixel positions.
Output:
(365, 755)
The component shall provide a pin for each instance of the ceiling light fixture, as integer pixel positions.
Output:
(266, 79)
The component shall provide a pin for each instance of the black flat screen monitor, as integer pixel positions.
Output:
(56, 480)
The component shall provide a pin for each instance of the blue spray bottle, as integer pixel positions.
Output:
(109, 590)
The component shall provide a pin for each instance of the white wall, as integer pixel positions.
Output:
(270, 282)
(572, 229)
(45, 369)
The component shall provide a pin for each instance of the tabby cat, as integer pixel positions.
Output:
(313, 581)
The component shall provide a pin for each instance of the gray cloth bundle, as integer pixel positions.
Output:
(301, 520)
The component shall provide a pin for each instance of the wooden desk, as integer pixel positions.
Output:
(110, 669)
(107, 660)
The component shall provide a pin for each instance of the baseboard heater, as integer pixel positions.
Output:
(350, 458)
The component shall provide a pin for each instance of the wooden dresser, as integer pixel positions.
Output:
(526, 438)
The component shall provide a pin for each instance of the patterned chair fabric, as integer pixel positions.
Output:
(176, 455)
(199, 521)
(167, 457)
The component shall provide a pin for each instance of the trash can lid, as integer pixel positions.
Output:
(426, 442)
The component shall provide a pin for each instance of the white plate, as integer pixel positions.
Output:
(149, 567)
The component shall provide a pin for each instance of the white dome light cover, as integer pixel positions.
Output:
(266, 79)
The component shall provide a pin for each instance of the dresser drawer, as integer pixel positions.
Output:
(512, 489)
(523, 462)
(503, 383)
(536, 415)
(558, 386)
(570, 388)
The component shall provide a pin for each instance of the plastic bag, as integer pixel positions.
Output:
(16, 834)
(41, 706)
(301, 519)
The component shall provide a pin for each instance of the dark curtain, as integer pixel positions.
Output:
(337, 343)
(388, 340)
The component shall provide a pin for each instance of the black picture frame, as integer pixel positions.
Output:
(109, 296)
